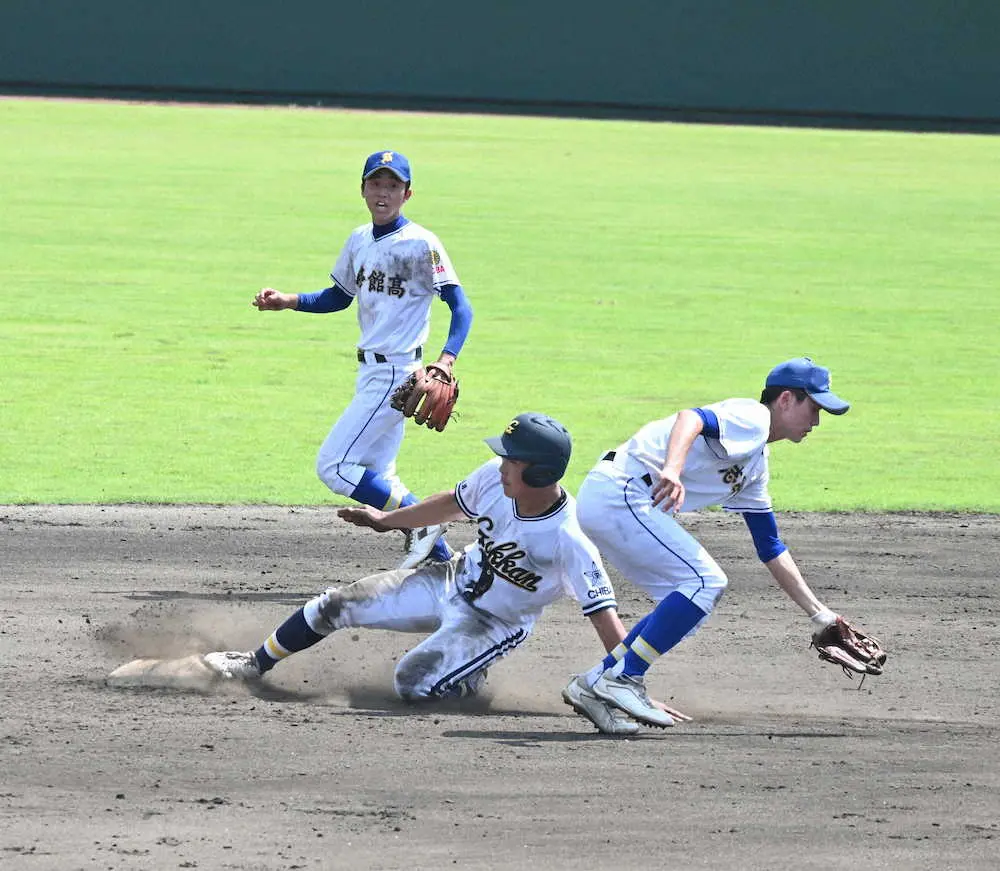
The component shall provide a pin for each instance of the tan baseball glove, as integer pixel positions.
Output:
(428, 396)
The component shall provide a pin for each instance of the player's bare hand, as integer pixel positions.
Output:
(272, 300)
(446, 362)
(668, 491)
(680, 716)
(366, 516)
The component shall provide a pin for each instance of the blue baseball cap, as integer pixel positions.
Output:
(393, 161)
(803, 373)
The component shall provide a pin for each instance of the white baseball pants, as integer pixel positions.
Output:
(646, 544)
(464, 640)
(369, 432)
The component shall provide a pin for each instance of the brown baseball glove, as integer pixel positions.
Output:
(851, 649)
(428, 396)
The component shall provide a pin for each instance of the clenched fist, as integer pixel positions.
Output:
(273, 300)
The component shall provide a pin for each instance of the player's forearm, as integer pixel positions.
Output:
(330, 299)
(609, 628)
(686, 429)
(784, 570)
(439, 508)
(461, 319)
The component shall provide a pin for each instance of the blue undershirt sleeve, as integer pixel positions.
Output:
(330, 299)
(461, 317)
(709, 422)
(764, 529)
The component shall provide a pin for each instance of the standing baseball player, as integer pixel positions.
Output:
(712, 455)
(394, 268)
(484, 602)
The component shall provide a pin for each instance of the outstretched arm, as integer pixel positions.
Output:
(784, 570)
(440, 508)
(271, 300)
(329, 299)
(773, 552)
(609, 628)
(835, 639)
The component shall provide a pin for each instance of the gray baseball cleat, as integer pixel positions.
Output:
(233, 665)
(628, 693)
(608, 719)
(419, 544)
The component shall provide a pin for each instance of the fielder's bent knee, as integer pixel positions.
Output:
(704, 592)
(708, 598)
(341, 478)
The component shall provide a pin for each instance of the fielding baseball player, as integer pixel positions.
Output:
(394, 268)
(713, 455)
(481, 604)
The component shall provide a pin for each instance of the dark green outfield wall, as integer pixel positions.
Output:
(840, 59)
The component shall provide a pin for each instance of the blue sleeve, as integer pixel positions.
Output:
(330, 299)
(764, 529)
(461, 317)
(709, 422)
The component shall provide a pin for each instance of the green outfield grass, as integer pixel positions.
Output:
(617, 271)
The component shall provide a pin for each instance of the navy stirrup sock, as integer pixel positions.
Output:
(290, 637)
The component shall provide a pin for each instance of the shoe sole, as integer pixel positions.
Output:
(568, 699)
(411, 561)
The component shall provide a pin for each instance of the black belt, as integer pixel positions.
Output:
(647, 479)
(381, 358)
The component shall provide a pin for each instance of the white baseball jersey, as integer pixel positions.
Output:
(647, 544)
(519, 564)
(731, 471)
(394, 279)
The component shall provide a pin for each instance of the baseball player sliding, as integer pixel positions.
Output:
(485, 600)
(394, 268)
(712, 455)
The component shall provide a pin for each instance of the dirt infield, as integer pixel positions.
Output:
(787, 765)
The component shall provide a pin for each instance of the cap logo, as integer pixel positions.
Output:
(387, 157)
(513, 425)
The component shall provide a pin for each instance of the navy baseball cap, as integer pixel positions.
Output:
(535, 438)
(803, 373)
(393, 161)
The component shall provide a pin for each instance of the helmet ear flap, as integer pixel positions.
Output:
(540, 475)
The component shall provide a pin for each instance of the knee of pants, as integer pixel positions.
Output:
(324, 612)
(706, 592)
(339, 477)
(414, 676)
